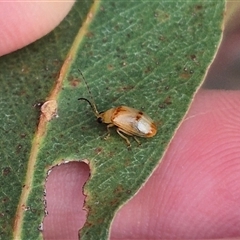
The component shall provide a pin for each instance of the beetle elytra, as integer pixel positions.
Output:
(129, 121)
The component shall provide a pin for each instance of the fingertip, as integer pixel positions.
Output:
(22, 23)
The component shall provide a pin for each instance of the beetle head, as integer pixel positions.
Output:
(100, 117)
(99, 120)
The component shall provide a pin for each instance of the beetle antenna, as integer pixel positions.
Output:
(92, 102)
(92, 106)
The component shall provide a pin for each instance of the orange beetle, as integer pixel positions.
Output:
(129, 121)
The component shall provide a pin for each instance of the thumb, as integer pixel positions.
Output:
(22, 23)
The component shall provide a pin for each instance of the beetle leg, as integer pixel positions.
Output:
(108, 134)
(120, 131)
(139, 143)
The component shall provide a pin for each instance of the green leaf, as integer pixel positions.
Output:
(148, 55)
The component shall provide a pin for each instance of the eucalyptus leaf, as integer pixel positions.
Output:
(148, 55)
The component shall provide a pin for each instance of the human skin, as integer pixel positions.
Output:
(23, 22)
(194, 193)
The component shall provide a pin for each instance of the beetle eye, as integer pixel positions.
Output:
(99, 120)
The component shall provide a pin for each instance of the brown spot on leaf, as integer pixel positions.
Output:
(100, 220)
(110, 67)
(114, 202)
(5, 200)
(168, 100)
(185, 75)
(23, 135)
(74, 82)
(19, 147)
(119, 190)
(198, 7)
(25, 69)
(193, 57)
(148, 69)
(162, 38)
(98, 150)
(6, 171)
(90, 34)
(125, 88)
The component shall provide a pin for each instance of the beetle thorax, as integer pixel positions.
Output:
(107, 115)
